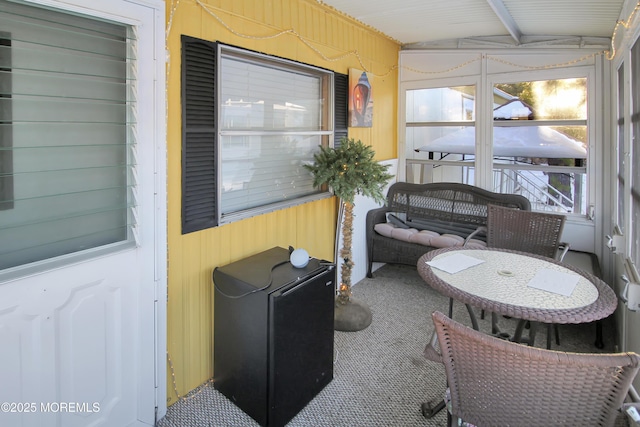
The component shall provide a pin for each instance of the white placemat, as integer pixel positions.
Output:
(455, 263)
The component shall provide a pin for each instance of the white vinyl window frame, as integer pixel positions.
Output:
(625, 169)
(483, 162)
(621, 118)
(417, 162)
(587, 73)
(633, 150)
(624, 203)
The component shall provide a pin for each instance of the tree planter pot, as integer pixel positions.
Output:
(352, 316)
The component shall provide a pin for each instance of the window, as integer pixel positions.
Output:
(540, 142)
(621, 150)
(67, 141)
(635, 154)
(529, 137)
(440, 124)
(250, 123)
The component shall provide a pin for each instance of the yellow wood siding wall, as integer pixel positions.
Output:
(301, 30)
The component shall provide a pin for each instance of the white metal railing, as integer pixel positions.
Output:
(532, 181)
(541, 195)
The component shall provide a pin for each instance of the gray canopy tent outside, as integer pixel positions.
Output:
(525, 141)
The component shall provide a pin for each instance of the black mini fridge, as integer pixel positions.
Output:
(273, 334)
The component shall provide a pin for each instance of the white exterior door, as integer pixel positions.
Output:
(82, 336)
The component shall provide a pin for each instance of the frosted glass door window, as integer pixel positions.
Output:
(67, 154)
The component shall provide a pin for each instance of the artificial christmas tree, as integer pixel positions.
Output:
(349, 170)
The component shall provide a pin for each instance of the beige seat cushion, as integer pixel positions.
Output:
(384, 229)
(403, 234)
(423, 237)
(447, 241)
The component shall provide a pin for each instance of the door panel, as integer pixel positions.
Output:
(71, 340)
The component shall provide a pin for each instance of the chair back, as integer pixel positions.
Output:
(527, 231)
(494, 382)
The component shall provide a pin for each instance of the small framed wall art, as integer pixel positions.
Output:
(360, 99)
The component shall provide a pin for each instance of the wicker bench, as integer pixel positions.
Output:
(444, 208)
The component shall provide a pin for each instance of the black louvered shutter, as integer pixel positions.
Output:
(341, 108)
(199, 153)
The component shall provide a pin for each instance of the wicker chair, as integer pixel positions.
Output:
(527, 231)
(493, 382)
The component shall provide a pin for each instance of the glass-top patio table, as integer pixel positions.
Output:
(517, 284)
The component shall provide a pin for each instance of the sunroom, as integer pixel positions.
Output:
(146, 142)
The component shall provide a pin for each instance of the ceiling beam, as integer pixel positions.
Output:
(507, 20)
(507, 42)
